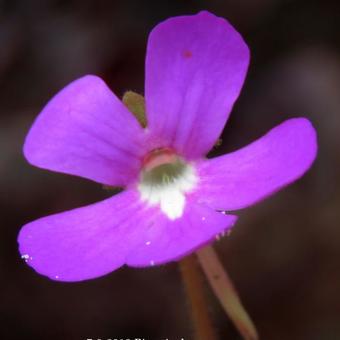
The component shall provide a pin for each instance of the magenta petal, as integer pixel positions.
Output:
(86, 131)
(241, 178)
(195, 68)
(83, 243)
(165, 240)
(92, 241)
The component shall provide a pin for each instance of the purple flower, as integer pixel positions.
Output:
(175, 200)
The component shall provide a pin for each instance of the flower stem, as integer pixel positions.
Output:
(193, 282)
(226, 293)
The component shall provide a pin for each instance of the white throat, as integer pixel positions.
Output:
(164, 181)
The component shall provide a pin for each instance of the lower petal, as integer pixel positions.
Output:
(166, 240)
(92, 241)
(83, 243)
(241, 178)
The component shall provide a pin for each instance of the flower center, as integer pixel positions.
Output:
(164, 180)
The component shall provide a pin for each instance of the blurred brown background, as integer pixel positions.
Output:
(284, 254)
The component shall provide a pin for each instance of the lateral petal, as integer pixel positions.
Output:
(243, 177)
(86, 131)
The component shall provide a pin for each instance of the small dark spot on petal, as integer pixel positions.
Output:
(187, 54)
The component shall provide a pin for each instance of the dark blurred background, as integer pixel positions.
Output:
(284, 253)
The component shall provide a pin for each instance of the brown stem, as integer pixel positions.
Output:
(193, 282)
(226, 293)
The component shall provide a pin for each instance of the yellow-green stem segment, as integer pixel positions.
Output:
(226, 293)
(194, 285)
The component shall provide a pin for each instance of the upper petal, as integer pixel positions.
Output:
(241, 178)
(195, 68)
(85, 130)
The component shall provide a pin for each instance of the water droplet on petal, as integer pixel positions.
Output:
(57, 277)
(152, 263)
(25, 257)
(147, 243)
(203, 218)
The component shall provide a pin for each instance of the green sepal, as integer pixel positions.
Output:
(112, 189)
(136, 104)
